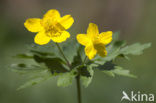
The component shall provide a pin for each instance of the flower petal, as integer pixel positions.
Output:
(83, 39)
(62, 37)
(106, 37)
(90, 51)
(51, 16)
(33, 24)
(101, 49)
(66, 21)
(92, 30)
(41, 38)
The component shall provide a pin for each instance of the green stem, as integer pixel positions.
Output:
(79, 84)
(63, 55)
(78, 76)
(85, 60)
(78, 89)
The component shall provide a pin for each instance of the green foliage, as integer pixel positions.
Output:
(112, 69)
(77, 60)
(54, 64)
(47, 62)
(119, 71)
(134, 49)
(116, 49)
(83, 70)
(66, 79)
(33, 82)
(25, 56)
(70, 49)
(86, 80)
(36, 73)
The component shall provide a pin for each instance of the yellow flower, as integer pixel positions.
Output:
(94, 42)
(51, 27)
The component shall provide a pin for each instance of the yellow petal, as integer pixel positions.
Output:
(90, 51)
(106, 37)
(33, 24)
(41, 38)
(83, 39)
(51, 16)
(66, 21)
(101, 49)
(92, 30)
(61, 37)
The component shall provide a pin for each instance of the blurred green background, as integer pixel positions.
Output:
(135, 19)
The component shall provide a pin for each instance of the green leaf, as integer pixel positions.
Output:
(85, 79)
(70, 49)
(77, 60)
(134, 49)
(34, 81)
(107, 66)
(43, 54)
(31, 71)
(81, 52)
(49, 50)
(113, 51)
(25, 68)
(24, 56)
(116, 49)
(119, 71)
(124, 56)
(66, 79)
(56, 65)
(109, 73)
(35, 73)
(83, 70)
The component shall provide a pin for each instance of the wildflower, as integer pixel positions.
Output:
(51, 27)
(94, 42)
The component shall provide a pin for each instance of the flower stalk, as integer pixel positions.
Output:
(77, 77)
(78, 89)
(63, 55)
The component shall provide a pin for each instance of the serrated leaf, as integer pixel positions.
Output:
(36, 76)
(109, 73)
(31, 71)
(65, 79)
(107, 66)
(115, 50)
(134, 49)
(119, 71)
(25, 68)
(43, 54)
(34, 82)
(54, 64)
(83, 70)
(124, 56)
(87, 80)
(49, 50)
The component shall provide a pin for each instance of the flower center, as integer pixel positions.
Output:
(54, 30)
